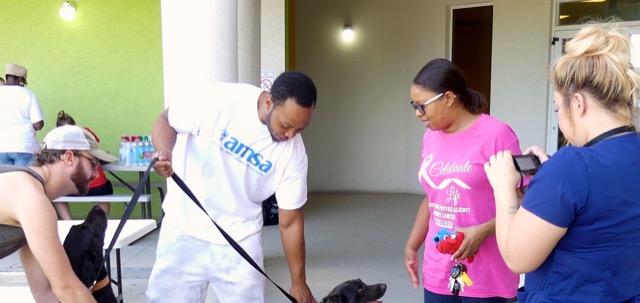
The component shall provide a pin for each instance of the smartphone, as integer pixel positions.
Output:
(527, 164)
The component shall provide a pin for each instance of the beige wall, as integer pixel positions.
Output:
(273, 36)
(521, 54)
(364, 136)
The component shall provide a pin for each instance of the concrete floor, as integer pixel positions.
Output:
(347, 235)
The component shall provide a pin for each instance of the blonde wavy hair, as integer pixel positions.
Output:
(598, 61)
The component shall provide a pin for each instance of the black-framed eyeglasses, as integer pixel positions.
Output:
(420, 107)
(94, 161)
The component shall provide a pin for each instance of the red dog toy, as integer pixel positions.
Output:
(449, 242)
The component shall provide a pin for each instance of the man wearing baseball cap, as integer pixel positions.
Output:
(28, 222)
(20, 118)
(71, 137)
(16, 74)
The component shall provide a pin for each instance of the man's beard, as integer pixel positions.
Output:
(81, 182)
(271, 131)
(273, 134)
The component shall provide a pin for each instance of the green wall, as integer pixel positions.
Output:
(104, 68)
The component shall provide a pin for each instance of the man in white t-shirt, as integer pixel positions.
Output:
(20, 118)
(237, 146)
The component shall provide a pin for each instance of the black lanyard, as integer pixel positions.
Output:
(611, 133)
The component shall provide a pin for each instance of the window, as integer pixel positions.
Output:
(635, 51)
(576, 12)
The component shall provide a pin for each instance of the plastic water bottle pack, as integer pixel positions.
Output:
(135, 150)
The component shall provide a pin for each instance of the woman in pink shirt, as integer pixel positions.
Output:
(459, 139)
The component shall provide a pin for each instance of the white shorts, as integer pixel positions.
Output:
(186, 265)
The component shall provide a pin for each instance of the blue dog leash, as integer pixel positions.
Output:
(232, 242)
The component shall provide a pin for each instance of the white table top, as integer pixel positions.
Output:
(115, 166)
(133, 230)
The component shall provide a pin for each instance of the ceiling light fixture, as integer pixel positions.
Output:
(68, 11)
(347, 33)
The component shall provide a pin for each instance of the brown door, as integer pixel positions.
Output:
(471, 46)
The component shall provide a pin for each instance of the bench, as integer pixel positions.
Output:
(141, 170)
(133, 230)
(161, 186)
(108, 198)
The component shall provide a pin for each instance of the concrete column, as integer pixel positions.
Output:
(249, 41)
(199, 44)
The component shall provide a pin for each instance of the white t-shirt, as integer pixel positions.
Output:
(231, 163)
(19, 109)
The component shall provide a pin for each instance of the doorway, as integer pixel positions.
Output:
(471, 42)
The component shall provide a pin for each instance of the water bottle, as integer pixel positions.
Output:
(137, 151)
(143, 150)
(122, 151)
(152, 150)
(147, 150)
(130, 157)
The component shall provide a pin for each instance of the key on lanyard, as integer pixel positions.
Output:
(455, 284)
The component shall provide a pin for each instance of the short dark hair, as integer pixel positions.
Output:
(296, 85)
(441, 75)
(49, 156)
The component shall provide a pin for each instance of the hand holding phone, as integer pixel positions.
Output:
(527, 164)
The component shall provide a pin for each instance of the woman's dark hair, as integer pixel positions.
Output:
(296, 85)
(441, 75)
(64, 119)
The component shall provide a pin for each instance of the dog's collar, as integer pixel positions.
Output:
(98, 285)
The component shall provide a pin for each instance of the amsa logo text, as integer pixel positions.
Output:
(244, 153)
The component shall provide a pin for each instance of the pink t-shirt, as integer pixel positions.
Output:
(452, 175)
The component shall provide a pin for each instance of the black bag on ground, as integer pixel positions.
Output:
(270, 211)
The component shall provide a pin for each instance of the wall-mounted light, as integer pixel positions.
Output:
(347, 33)
(68, 11)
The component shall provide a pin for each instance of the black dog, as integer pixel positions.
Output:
(84, 244)
(355, 291)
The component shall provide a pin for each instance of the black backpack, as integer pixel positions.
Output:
(270, 211)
